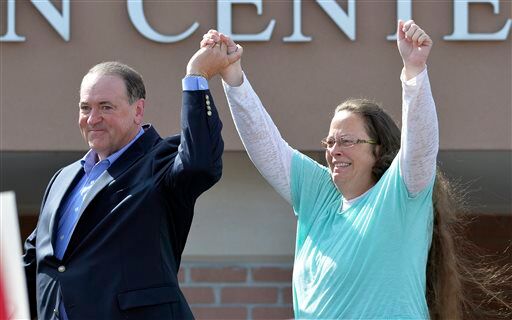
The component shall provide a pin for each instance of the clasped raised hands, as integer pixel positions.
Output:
(214, 57)
(232, 73)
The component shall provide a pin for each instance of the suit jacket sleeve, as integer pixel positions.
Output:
(198, 165)
(30, 264)
(30, 261)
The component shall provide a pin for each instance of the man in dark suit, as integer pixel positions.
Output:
(113, 225)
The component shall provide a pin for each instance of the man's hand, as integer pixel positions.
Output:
(232, 74)
(414, 46)
(211, 60)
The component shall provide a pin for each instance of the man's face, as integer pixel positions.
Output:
(107, 120)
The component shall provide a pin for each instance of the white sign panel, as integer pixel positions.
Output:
(345, 20)
(13, 276)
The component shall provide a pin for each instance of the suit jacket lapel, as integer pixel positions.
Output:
(103, 180)
(136, 150)
(60, 187)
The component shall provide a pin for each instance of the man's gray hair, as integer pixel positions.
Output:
(132, 79)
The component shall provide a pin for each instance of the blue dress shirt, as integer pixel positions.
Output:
(192, 83)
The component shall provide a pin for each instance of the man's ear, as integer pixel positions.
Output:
(139, 111)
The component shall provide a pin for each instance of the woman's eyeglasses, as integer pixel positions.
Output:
(344, 142)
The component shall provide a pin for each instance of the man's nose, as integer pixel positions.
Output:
(94, 117)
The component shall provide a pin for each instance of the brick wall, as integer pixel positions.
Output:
(238, 290)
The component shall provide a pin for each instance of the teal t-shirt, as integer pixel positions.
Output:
(365, 262)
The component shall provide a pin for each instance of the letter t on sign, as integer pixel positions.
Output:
(403, 12)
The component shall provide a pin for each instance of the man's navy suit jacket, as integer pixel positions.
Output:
(125, 250)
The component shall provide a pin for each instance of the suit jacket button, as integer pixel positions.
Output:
(209, 113)
(61, 268)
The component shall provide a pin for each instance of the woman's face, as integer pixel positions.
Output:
(351, 167)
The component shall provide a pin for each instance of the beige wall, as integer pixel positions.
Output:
(241, 218)
(300, 83)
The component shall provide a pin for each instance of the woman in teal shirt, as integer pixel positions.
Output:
(365, 247)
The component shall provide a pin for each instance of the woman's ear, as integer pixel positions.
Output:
(376, 151)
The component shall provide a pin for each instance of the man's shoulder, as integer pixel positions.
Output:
(162, 145)
(152, 137)
(174, 139)
(167, 145)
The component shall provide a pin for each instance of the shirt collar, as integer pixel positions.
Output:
(91, 157)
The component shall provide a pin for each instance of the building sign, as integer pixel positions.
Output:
(345, 21)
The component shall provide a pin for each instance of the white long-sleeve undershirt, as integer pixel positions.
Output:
(272, 155)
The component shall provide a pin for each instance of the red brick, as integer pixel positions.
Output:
(287, 295)
(272, 313)
(198, 294)
(219, 313)
(218, 274)
(272, 274)
(249, 295)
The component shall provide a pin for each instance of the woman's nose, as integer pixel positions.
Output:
(336, 150)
